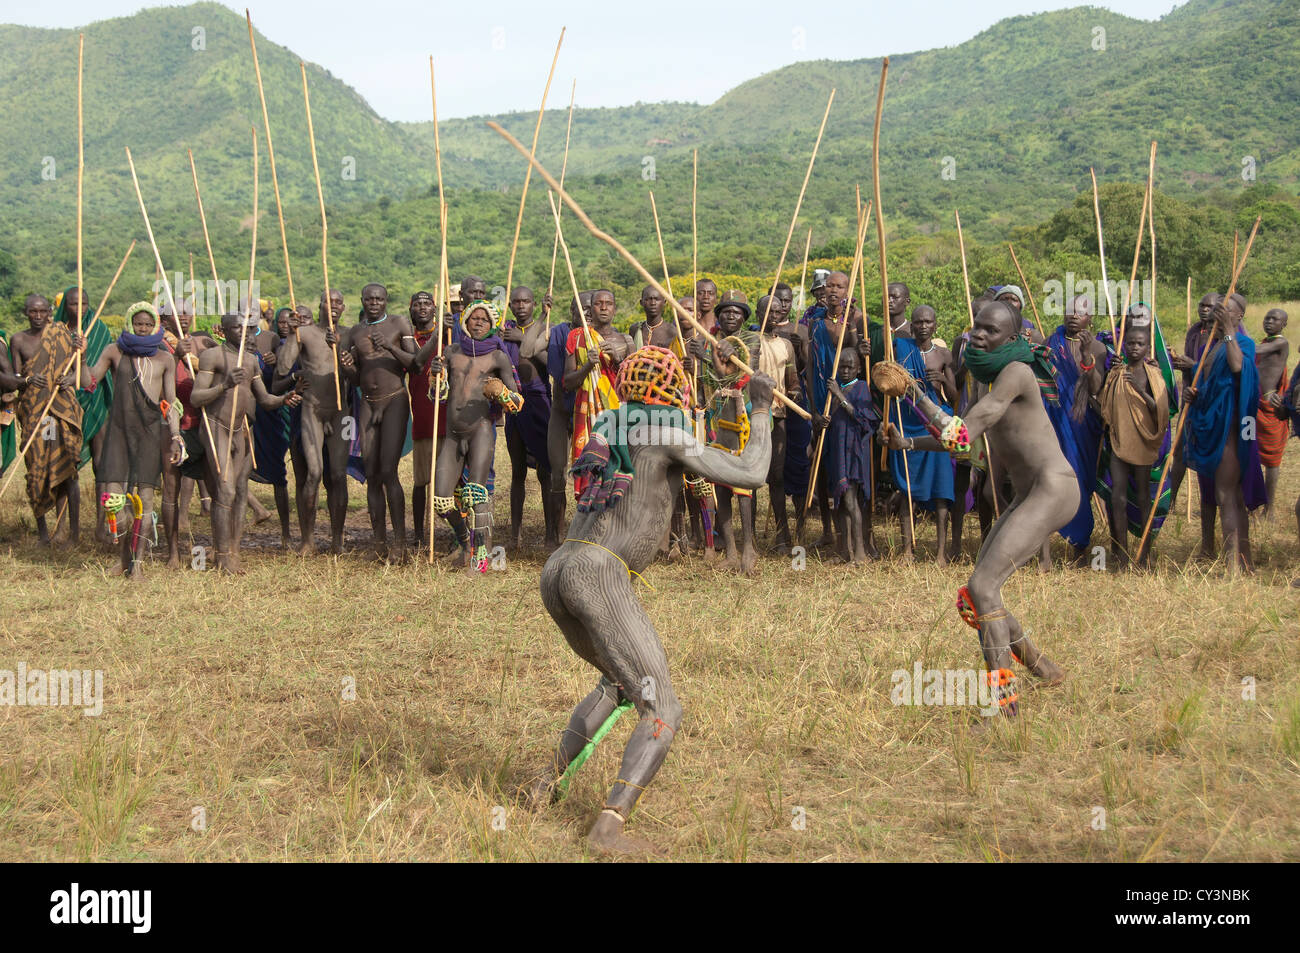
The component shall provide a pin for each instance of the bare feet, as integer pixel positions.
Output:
(607, 838)
(174, 561)
(308, 548)
(1047, 670)
(730, 564)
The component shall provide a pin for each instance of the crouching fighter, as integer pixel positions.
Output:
(1047, 489)
(634, 461)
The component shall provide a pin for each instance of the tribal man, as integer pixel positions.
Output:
(377, 353)
(94, 403)
(44, 358)
(478, 375)
(1080, 361)
(144, 431)
(1047, 490)
(228, 388)
(526, 432)
(587, 588)
(1270, 358)
(1219, 436)
(323, 441)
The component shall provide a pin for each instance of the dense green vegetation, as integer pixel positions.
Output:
(1021, 110)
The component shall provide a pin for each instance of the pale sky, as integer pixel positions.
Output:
(493, 57)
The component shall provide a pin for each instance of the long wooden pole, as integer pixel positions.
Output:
(81, 171)
(1189, 332)
(573, 282)
(803, 272)
(631, 260)
(564, 167)
(663, 260)
(880, 209)
(203, 219)
(854, 271)
(439, 299)
(1148, 201)
(270, 152)
(1024, 283)
(695, 182)
(795, 217)
(117, 274)
(884, 269)
(528, 174)
(171, 300)
(324, 231)
(965, 276)
(1182, 414)
(1101, 251)
(248, 307)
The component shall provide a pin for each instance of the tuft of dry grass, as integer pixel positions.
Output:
(233, 696)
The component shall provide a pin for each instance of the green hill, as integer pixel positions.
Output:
(1021, 110)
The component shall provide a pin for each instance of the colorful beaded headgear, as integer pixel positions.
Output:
(494, 317)
(146, 307)
(653, 375)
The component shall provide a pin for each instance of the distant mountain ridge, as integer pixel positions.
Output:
(1004, 126)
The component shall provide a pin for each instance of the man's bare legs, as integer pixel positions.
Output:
(1232, 510)
(382, 441)
(1013, 541)
(591, 599)
(322, 440)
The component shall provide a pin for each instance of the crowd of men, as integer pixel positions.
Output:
(164, 407)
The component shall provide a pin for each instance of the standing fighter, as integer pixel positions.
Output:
(1047, 490)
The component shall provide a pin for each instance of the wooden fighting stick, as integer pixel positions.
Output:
(854, 271)
(1024, 283)
(528, 173)
(1101, 251)
(81, 169)
(795, 217)
(1148, 201)
(248, 308)
(324, 231)
(270, 152)
(440, 300)
(167, 285)
(203, 219)
(631, 260)
(564, 167)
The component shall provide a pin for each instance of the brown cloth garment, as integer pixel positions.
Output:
(1135, 430)
(134, 442)
(51, 462)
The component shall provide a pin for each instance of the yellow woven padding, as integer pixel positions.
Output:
(890, 378)
(653, 375)
(740, 347)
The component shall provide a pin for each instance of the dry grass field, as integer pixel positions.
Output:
(227, 695)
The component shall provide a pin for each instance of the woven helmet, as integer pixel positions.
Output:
(653, 375)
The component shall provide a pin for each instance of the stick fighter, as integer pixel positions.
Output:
(634, 463)
(1047, 490)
